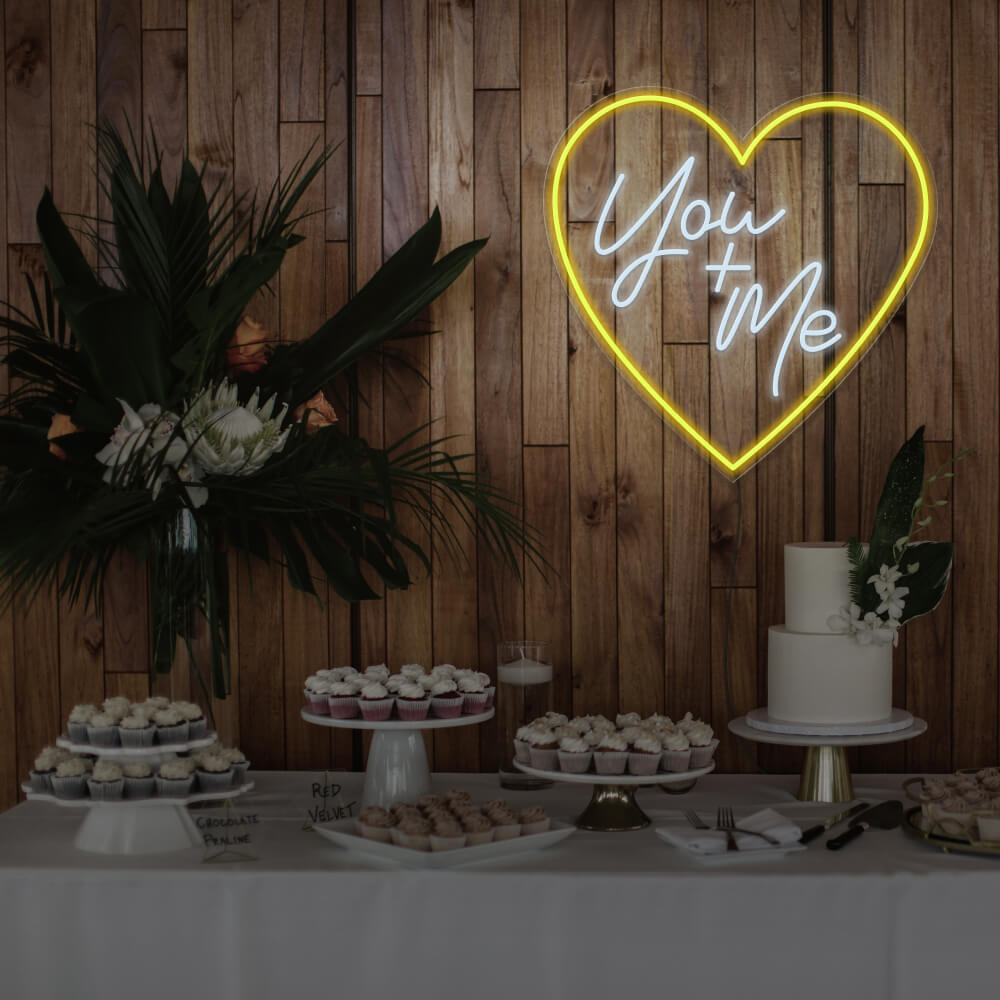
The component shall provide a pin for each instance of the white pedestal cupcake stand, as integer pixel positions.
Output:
(825, 775)
(397, 762)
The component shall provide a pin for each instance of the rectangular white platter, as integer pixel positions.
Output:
(728, 857)
(343, 832)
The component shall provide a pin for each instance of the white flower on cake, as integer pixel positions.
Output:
(233, 439)
(866, 629)
(147, 442)
(892, 596)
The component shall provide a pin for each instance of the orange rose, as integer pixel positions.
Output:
(320, 413)
(60, 426)
(249, 349)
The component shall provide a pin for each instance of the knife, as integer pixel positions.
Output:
(884, 816)
(820, 828)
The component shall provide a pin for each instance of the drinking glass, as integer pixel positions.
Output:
(524, 692)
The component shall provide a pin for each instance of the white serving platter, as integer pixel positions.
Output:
(139, 753)
(397, 725)
(723, 858)
(155, 801)
(896, 721)
(592, 778)
(343, 832)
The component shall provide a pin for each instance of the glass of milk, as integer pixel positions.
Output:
(524, 692)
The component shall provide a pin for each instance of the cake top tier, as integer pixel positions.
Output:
(817, 584)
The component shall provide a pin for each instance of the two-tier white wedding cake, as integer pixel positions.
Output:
(816, 676)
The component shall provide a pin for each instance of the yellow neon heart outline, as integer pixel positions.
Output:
(735, 467)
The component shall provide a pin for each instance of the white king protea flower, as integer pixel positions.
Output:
(233, 439)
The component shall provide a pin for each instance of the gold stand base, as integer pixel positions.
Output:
(825, 776)
(612, 808)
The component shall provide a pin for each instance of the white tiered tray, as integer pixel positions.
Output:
(612, 806)
(898, 720)
(397, 762)
(147, 754)
(152, 825)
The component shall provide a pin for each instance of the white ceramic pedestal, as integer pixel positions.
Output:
(397, 762)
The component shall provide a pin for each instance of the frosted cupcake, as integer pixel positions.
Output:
(446, 699)
(644, 757)
(70, 779)
(175, 779)
(676, 756)
(506, 825)
(106, 782)
(444, 670)
(411, 671)
(376, 823)
(139, 780)
(489, 687)
(341, 674)
(214, 773)
(622, 720)
(413, 832)
(45, 767)
(473, 695)
(412, 702)
(117, 708)
(533, 819)
(543, 748)
(154, 704)
(195, 717)
(447, 835)
(377, 672)
(394, 682)
(78, 720)
(136, 731)
(375, 702)
(239, 764)
(343, 700)
(102, 730)
(478, 829)
(611, 755)
(317, 692)
(522, 748)
(574, 755)
(171, 726)
(703, 743)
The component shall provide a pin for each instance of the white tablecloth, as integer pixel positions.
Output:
(599, 915)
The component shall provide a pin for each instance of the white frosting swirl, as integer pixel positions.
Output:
(75, 767)
(627, 719)
(411, 670)
(106, 770)
(699, 734)
(175, 770)
(374, 691)
(412, 692)
(574, 744)
(443, 685)
(675, 740)
(444, 670)
(613, 742)
(394, 682)
(102, 720)
(343, 689)
(377, 672)
(645, 743)
(135, 722)
(213, 763)
(138, 769)
(117, 708)
(471, 684)
(168, 717)
(82, 713)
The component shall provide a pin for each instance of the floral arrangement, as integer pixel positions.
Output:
(153, 413)
(895, 579)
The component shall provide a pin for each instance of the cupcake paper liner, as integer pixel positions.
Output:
(106, 736)
(215, 781)
(507, 832)
(78, 732)
(172, 734)
(610, 761)
(138, 737)
(702, 756)
(197, 728)
(491, 695)
(479, 837)
(544, 760)
(41, 781)
(383, 834)
(522, 751)
(539, 826)
(574, 763)
(343, 706)
(446, 708)
(319, 704)
(415, 841)
(413, 710)
(139, 788)
(439, 843)
(174, 788)
(642, 764)
(74, 787)
(376, 711)
(474, 702)
(240, 772)
(105, 791)
(676, 761)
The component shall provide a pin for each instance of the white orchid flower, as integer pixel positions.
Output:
(894, 603)
(885, 580)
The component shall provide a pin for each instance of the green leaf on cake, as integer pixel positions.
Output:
(928, 584)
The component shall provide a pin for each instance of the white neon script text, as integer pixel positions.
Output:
(696, 222)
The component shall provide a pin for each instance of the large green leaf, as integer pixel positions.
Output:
(928, 584)
(64, 260)
(903, 484)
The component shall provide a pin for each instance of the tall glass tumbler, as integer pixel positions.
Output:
(524, 692)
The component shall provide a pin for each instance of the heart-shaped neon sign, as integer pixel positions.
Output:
(694, 223)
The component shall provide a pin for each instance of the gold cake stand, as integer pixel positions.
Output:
(612, 807)
(826, 776)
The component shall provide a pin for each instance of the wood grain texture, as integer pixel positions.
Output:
(543, 120)
(734, 686)
(338, 100)
(880, 81)
(497, 37)
(368, 46)
(778, 59)
(301, 58)
(164, 111)
(164, 14)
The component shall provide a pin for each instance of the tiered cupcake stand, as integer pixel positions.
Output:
(397, 762)
(612, 806)
(826, 776)
(138, 826)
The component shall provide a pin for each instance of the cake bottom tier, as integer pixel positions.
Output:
(826, 678)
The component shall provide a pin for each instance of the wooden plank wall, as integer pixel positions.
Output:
(459, 103)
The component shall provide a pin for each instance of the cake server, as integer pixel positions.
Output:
(820, 828)
(884, 816)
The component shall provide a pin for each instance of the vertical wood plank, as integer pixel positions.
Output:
(497, 49)
(28, 119)
(164, 111)
(164, 14)
(639, 430)
(210, 89)
(498, 359)
(126, 614)
(778, 57)
(452, 352)
(543, 120)
(134, 686)
(976, 303)
(929, 375)
(10, 777)
(741, 670)
(338, 98)
(301, 60)
(590, 44)
(368, 46)
(592, 498)
(881, 81)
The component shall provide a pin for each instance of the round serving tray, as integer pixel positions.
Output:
(153, 800)
(396, 725)
(897, 720)
(119, 752)
(913, 824)
(612, 807)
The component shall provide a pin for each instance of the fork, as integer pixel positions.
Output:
(725, 820)
(695, 820)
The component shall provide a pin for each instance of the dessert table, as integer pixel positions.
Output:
(597, 915)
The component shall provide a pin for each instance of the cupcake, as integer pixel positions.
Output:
(446, 699)
(215, 773)
(622, 720)
(473, 695)
(175, 779)
(375, 702)
(413, 832)
(139, 780)
(411, 671)
(446, 670)
(574, 755)
(340, 674)
(412, 702)
(70, 779)
(506, 825)
(522, 748)
(195, 717)
(447, 835)
(676, 756)
(394, 682)
(543, 748)
(611, 755)
(154, 704)
(478, 829)
(343, 700)
(239, 764)
(427, 681)
(376, 823)
(136, 731)
(533, 819)
(102, 730)
(317, 692)
(429, 801)
(45, 767)
(171, 726)
(703, 744)
(377, 672)
(456, 795)
(106, 782)
(644, 758)
(117, 708)
(78, 720)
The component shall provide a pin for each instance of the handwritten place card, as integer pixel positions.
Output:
(328, 803)
(227, 837)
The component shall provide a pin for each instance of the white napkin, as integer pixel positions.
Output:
(714, 841)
